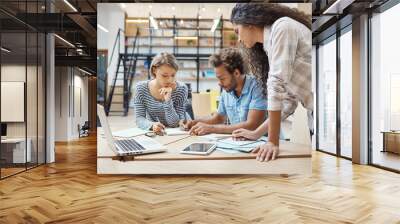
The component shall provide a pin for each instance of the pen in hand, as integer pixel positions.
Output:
(161, 127)
(183, 125)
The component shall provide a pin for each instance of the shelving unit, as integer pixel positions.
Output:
(189, 39)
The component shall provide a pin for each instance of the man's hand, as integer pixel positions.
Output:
(266, 152)
(158, 128)
(244, 134)
(201, 129)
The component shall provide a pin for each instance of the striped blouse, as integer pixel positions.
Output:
(149, 110)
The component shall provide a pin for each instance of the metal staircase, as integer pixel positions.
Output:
(117, 102)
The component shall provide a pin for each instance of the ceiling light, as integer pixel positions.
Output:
(186, 38)
(123, 6)
(102, 28)
(215, 25)
(5, 49)
(173, 7)
(137, 20)
(181, 21)
(219, 9)
(204, 9)
(153, 22)
(70, 5)
(199, 17)
(64, 40)
(150, 6)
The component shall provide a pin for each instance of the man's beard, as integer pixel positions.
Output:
(232, 87)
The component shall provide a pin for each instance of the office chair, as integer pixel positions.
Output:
(84, 130)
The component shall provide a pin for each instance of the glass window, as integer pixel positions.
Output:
(15, 151)
(327, 96)
(385, 89)
(346, 94)
(22, 91)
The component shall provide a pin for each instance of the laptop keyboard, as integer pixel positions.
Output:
(129, 145)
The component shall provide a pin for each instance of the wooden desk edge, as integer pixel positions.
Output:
(137, 158)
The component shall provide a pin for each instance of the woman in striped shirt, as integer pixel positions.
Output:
(160, 102)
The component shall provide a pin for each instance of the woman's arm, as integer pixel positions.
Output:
(176, 111)
(140, 110)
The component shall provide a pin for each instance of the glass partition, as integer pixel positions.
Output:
(346, 93)
(385, 89)
(22, 77)
(327, 96)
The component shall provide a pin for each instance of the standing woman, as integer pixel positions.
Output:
(277, 42)
(160, 102)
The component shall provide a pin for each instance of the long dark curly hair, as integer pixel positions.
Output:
(261, 15)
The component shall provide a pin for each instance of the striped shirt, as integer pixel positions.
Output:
(149, 110)
(288, 46)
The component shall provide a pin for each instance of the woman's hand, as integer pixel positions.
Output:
(158, 128)
(244, 134)
(173, 86)
(266, 152)
(166, 93)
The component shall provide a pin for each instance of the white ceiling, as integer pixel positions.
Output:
(182, 10)
(185, 10)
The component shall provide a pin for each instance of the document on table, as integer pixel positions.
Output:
(130, 132)
(244, 146)
(216, 137)
(175, 131)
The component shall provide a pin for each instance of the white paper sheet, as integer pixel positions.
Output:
(131, 132)
(175, 131)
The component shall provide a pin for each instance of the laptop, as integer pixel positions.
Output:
(128, 146)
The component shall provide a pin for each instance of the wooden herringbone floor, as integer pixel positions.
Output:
(69, 191)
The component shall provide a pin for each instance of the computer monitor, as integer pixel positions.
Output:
(3, 129)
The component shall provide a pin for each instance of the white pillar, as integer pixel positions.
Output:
(50, 99)
(360, 90)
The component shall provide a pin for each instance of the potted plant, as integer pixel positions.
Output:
(190, 42)
(232, 39)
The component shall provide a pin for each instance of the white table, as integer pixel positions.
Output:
(294, 159)
(19, 154)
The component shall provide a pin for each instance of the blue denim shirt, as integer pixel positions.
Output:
(237, 108)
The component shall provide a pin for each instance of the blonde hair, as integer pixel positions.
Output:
(163, 59)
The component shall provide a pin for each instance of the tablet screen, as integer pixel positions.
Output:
(198, 147)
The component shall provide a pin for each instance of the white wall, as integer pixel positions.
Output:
(62, 81)
(111, 17)
(70, 82)
(17, 73)
(33, 126)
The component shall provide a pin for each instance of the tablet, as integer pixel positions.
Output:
(199, 148)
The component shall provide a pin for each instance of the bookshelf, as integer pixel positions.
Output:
(189, 39)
